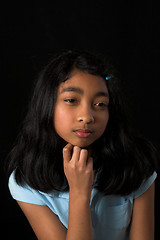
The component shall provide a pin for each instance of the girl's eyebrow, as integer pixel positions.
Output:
(100, 94)
(80, 91)
(72, 89)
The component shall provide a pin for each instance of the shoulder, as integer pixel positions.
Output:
(144, 186)
(23, 192)
(56, 201)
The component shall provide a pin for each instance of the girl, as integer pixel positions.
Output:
(77, 171)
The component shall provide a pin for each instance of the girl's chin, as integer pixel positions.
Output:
(82, 144)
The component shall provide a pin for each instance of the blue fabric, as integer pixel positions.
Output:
(111, 214)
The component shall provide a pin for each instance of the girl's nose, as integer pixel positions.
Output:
(85, 116)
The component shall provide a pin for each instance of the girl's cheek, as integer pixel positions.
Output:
(61, 117)
(62, 114)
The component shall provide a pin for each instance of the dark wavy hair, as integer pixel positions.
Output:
(121, 159)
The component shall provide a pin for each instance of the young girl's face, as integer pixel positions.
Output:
(82, 109)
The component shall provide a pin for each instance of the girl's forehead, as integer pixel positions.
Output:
(84, 81)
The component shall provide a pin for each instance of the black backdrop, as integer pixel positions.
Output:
(32, 31)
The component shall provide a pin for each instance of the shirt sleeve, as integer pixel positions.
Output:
(145, 185)
(23, 193)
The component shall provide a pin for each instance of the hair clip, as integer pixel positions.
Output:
(107, 78)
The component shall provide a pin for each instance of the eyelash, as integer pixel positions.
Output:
(101, 104)
(72, 101)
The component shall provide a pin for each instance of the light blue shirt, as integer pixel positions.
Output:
(111, 214)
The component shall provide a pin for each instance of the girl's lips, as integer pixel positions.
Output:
(83, 132)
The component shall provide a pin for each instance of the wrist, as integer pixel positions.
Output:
(79, 196)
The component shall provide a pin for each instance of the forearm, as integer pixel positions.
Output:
(79, 222)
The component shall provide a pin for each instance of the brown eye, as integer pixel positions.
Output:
(101, 104)
(70, 100)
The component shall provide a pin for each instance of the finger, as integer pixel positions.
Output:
(90, 163)
(83, 157)
(90, 169)
(76, 153)
(67, 152)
